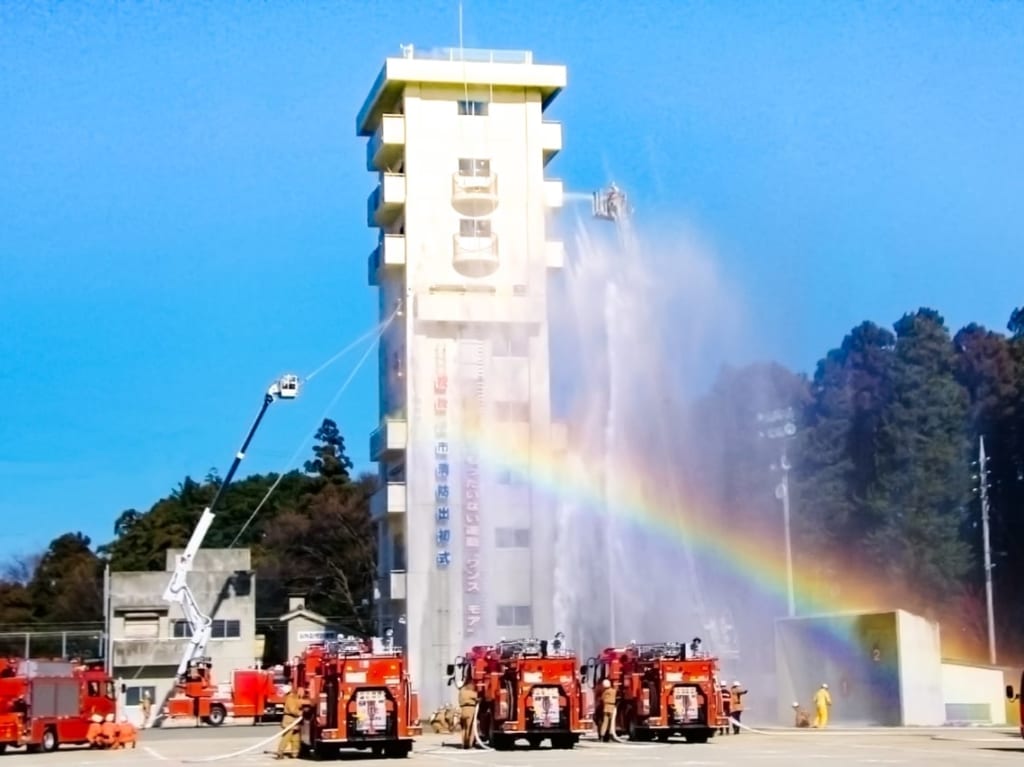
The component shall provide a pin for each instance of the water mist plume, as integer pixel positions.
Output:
(641, 323)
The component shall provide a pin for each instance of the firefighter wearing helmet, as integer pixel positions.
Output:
(608, 701)
(289, 743)
(467, 712)
(822, 701)
(737, 706)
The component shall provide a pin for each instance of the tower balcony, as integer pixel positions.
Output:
(389, 255)
(475, 256)
(475, 195)
(386, 203)
(387, 144)
(389, 439)
(550, 139)
(388, 500)
(554, 254)
(554, 194)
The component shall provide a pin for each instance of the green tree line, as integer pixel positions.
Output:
(313, 537)
(884, 485)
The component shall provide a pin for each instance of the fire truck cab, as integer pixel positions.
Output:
(359, 696)
(526, 690)
(660, 691)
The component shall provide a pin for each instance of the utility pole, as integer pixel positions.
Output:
(781, 424)
(989, 604)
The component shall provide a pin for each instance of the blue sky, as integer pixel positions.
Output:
(182, 200)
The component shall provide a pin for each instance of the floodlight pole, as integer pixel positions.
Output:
(781, 424)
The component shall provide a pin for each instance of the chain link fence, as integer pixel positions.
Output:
(74, 643)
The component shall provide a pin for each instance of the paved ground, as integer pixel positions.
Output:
(780, 748)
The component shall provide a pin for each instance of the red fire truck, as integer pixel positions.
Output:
(661, 691)
(256, 693)
(360, 697)
(526, 691)
(48, 703)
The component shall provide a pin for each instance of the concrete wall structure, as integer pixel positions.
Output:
(882, 668)
(149, 636)
(459, 143)
(919, 649)
(973, 694)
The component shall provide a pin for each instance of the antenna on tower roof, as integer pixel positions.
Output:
(462, 53)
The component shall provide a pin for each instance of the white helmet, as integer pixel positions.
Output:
(735, 683)
(824, 686)
(606, 683)
(795, 704)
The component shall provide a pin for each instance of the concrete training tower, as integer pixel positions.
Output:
(459, 144)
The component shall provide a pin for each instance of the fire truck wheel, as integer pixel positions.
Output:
(217, 716)
(49, 742)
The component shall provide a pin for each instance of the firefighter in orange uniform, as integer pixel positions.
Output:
(288, 745)
(467, 712)
(608, 701)
(126, 733)
(108, 732)
(95, 732)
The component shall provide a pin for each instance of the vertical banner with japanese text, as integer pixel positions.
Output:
(442, 491)
(472, 413)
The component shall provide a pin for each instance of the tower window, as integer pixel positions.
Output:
(514, 345)
(512, 537)
(514, 615)
(474, 227)
(474, 168)
(513, 411)
(473, 108)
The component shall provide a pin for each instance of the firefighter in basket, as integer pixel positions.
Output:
(467, 712)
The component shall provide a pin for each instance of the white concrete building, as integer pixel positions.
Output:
(459, 143)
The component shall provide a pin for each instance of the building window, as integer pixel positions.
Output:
(514, 615)
(510, 477)
(474, 168)
(396, 472)
(512, 537)
(512, 411)
(143, 626)
(398, 561)
(133, 695)
(511, 346)
(475, 108)
(221, 629)
(474, 227)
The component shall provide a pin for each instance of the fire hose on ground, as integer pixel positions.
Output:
(247, 749)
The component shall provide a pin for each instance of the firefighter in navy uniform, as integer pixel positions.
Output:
(467, 712)
(726, 708)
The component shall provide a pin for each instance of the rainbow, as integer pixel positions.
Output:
(741, 553)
